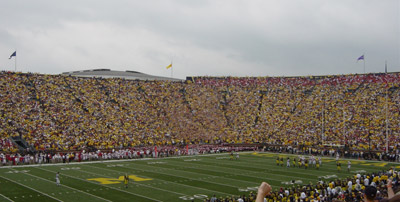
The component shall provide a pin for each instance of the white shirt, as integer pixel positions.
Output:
(366, 182)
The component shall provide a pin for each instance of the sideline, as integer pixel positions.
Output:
(116, 160)
(187, 156)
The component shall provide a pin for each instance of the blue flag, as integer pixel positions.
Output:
(12, 55)
(361, 58)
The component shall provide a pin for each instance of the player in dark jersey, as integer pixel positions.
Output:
(126, 180)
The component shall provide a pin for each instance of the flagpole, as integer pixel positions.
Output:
(387, 107)
(172, 70)
(387, 122)
(172, 67)
(364, 66)
(15, 65)
(364, 62)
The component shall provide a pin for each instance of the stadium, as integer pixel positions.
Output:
(189, 134)
(200, 101)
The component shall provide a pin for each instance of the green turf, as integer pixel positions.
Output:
(168, 179)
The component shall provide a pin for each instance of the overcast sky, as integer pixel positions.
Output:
(202, 37)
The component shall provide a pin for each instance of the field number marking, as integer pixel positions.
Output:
(196, 196)
(157, 162)
(72, 168)
(120, 179)
(248, 189)
(359, 171)
(192, 160)
(328, 176)
(18, 171)
(115, 165)
(291, 182)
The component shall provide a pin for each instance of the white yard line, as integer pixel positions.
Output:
(265, 166)
(326, 157)
(253, 176)
(68, 187)
(180, 194)
(32, 189)
(243, 181)
(165, 181)
(134, 194)
(6, 198)
(187, 177)
(317, 171)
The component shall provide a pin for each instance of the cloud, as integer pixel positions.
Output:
(226, 37)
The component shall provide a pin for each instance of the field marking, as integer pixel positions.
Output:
(271, 167)
(185, 177)
(165, 180)
(177, 157)
(31, 188)
(235, 172)
(68, 187)
(177, 193)
(323, 157)
(114, 160)
(327, 160)
(6, 198)
(331, 168)
(131, 193)
(266, 167)
(253, 160)
(249, 182)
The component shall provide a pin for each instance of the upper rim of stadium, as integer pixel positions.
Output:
(135, 75)
(108, 73)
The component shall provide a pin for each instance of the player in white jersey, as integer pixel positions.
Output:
(313, 161)
(348, 166)
(288, 162)
(58, 178)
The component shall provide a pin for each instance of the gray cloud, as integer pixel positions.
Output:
(225, 37)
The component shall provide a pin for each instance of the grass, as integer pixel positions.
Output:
(169, 179)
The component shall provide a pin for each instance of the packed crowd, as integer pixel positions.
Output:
(43, 157)
(380, 186)
(64, 113)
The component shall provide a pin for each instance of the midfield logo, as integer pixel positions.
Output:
(118, 180)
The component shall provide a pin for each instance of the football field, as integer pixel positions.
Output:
(168, 179)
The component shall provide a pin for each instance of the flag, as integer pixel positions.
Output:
(169, 66)
(385, 67)
(361, 58)
(13, 55)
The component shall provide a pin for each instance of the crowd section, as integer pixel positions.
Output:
(380, 186)
(64, 113)
(126, 153)
(340, 110)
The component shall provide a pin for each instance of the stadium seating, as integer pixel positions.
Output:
(63, 113)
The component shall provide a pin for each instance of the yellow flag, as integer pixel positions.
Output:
(169, 66)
